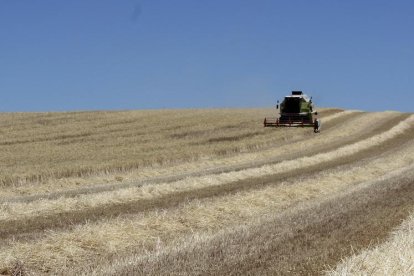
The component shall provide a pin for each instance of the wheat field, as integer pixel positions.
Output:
(205, 192)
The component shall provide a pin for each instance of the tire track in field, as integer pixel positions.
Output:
(23, 228)
(332, 125)
(306, 242)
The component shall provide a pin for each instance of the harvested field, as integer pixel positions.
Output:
(184, 192)
(394, 257)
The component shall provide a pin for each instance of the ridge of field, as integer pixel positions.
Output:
(394, 257)
(290, 200)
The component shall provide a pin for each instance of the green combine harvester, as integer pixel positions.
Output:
(296, 110)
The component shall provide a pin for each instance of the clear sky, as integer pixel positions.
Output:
(127, 54)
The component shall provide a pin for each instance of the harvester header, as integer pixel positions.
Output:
(296, 110)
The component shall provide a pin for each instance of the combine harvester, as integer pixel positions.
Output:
(296, 110)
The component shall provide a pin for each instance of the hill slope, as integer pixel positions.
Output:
(198, 191)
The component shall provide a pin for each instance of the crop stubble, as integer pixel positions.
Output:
(168, 195)
(71, 241)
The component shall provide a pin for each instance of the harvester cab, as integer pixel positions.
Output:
(296, 110)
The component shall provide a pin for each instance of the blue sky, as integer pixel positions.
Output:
(104, 54)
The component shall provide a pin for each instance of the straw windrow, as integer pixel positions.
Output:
(126, 192)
